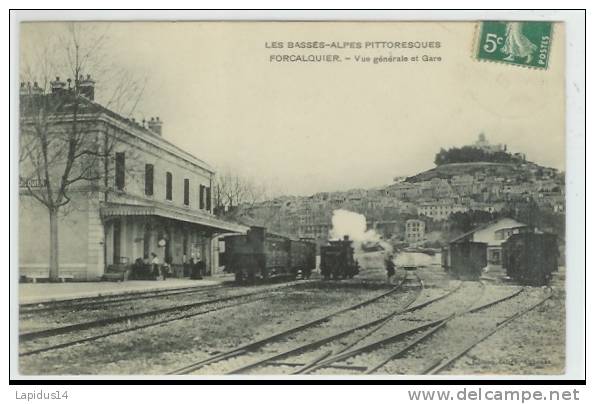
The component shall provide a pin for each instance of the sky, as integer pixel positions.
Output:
(304, 128)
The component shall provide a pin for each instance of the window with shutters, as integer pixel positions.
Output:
(149, 179)
(186, 191)
(168, 184)
(208, 196)
(120, 170)
(201, 197)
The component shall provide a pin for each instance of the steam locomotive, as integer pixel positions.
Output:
(263, 255)
(337, 260)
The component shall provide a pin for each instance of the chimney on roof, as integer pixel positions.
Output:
(58, 86)
(155, 125)
(87, 87)
(25, 88)
(36, 90)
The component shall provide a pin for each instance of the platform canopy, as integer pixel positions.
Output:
(111, 210)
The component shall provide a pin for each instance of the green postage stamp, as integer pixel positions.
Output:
(521, 43)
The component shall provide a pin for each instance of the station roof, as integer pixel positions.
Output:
(111, 209)
(466, 235)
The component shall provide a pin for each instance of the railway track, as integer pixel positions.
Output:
(444, 363)
(330, 359)
(421, 334)
(351, 351)
(34, 336)
(370, 328)
(85, 303)
(331, 348)
(251, 347)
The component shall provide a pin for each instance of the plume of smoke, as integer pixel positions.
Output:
(352, 224)
(414, 259)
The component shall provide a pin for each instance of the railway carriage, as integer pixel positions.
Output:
(263, 255)
(302, 256)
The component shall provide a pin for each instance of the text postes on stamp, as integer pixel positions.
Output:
(521, 43)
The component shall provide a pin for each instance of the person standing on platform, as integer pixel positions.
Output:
(197, 268)
(155, 265)
(184, 266)
(202, 268)
(165, 268)
(191, 265)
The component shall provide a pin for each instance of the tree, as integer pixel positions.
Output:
(528, 211)
(471, 154)
(237, 197)
(462, 222)
(231, 190)
(61, 149)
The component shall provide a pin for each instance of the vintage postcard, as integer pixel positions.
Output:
(292, 198)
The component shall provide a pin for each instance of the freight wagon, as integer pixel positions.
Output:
(465, 259)
(530, 258)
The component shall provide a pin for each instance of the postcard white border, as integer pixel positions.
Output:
(575, 152)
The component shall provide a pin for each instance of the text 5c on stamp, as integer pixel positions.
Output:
(521, 43)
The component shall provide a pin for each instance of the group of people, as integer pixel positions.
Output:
(157, 268)
(195, 267)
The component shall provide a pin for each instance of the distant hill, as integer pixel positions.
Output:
(447, 171)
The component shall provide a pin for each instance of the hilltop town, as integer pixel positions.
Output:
(469, 186)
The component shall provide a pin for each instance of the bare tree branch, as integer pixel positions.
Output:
(60, 146)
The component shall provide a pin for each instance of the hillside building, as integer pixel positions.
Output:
(483, 144)
(415, 231)
(440, 209)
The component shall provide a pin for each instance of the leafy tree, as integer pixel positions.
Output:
(462, 222)
(529, 212)
(471, 154)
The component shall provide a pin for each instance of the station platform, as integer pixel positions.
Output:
(37, 293)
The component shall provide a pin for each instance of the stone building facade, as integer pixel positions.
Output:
(415, 231)
(153, 198)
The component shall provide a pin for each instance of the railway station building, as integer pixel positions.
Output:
(150, 197)
(494, 234)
